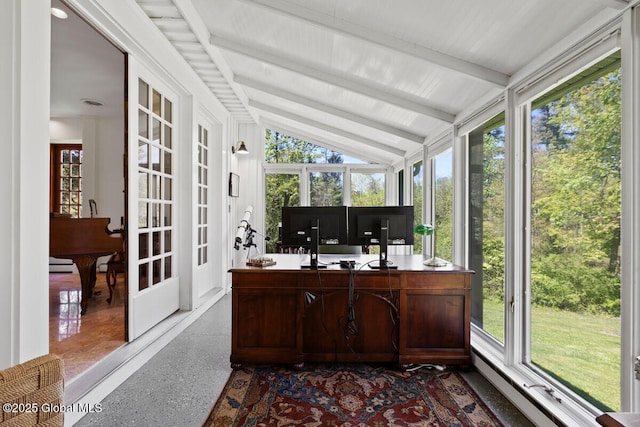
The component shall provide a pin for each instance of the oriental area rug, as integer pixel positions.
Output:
(348, 396)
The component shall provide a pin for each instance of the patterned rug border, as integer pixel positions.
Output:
(231, 401)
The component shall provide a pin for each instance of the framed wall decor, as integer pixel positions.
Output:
(234, 183)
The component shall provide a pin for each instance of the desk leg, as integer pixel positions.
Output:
(85, 266)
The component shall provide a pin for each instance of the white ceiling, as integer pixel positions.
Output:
(375, 78)
(84, 65)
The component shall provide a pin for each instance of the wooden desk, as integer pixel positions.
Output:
(619, 419)
(412, 314)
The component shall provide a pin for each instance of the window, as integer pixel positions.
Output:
(575, 216)
(66, 179)
(443, 205)
(299, 173)
(282, 189)
(486, 225)
(155, 180)
(417, 191)
(326, 188)
(367, 189)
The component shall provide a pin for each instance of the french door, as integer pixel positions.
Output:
(154, 283)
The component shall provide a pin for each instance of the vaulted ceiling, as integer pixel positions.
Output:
(372, 78)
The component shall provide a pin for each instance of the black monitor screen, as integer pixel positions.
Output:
(365, 222)
(296, 225)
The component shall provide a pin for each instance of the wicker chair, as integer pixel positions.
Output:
(31, 387)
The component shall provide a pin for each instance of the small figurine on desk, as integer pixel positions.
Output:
(260, 262)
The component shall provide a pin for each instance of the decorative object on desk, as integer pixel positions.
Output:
(260, 262)
(430, 230)
(234, 183)
(355, 394)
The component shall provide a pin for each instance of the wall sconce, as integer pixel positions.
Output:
(242, 149)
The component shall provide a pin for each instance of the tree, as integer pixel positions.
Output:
(284, 189)
(576, 200)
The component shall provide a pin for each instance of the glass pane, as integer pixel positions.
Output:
(281, 190)
(143, 124)
(157, 102)
(167, 241)
(156, 131)
(143, 94)
(443, 235)
(417, 190)
(155, 186)
(367, 189)
(167, 267)
(167, 189)
(281, 148)
(168, 137)
(155, 214)
(143, 215)
(143, 248)
(143, 154)
(575, 237)
(167, 215)
(168, 111)
(157, 272)
(486, 226)
(326, 188)
(143, 276)
(155, 158)
(167, 162)
(75, 156)
(157, 248)
(143, 185)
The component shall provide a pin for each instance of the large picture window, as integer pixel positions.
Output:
(575, 214)
(300, 173)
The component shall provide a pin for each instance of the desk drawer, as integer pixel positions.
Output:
(341, 281)
(261, 280)
(437, 281)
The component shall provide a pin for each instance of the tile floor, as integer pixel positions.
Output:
(82, 341)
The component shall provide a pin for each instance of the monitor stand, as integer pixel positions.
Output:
(315, 242)
(383, 262)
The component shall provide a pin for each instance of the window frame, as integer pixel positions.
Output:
(54, 191)
(506, 366)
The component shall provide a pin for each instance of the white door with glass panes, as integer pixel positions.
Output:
(207, 164)
(154, 282)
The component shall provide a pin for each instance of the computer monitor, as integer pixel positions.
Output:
(309, 227)
(381, 226)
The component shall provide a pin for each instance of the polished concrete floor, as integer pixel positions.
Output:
(180, 384)
(81, 341)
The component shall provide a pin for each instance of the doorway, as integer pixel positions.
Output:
(87, 135)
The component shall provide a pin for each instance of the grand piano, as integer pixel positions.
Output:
(83, 240)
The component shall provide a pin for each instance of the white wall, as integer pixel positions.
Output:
(24, 180)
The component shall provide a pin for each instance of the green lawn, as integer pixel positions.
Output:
(581, 350)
